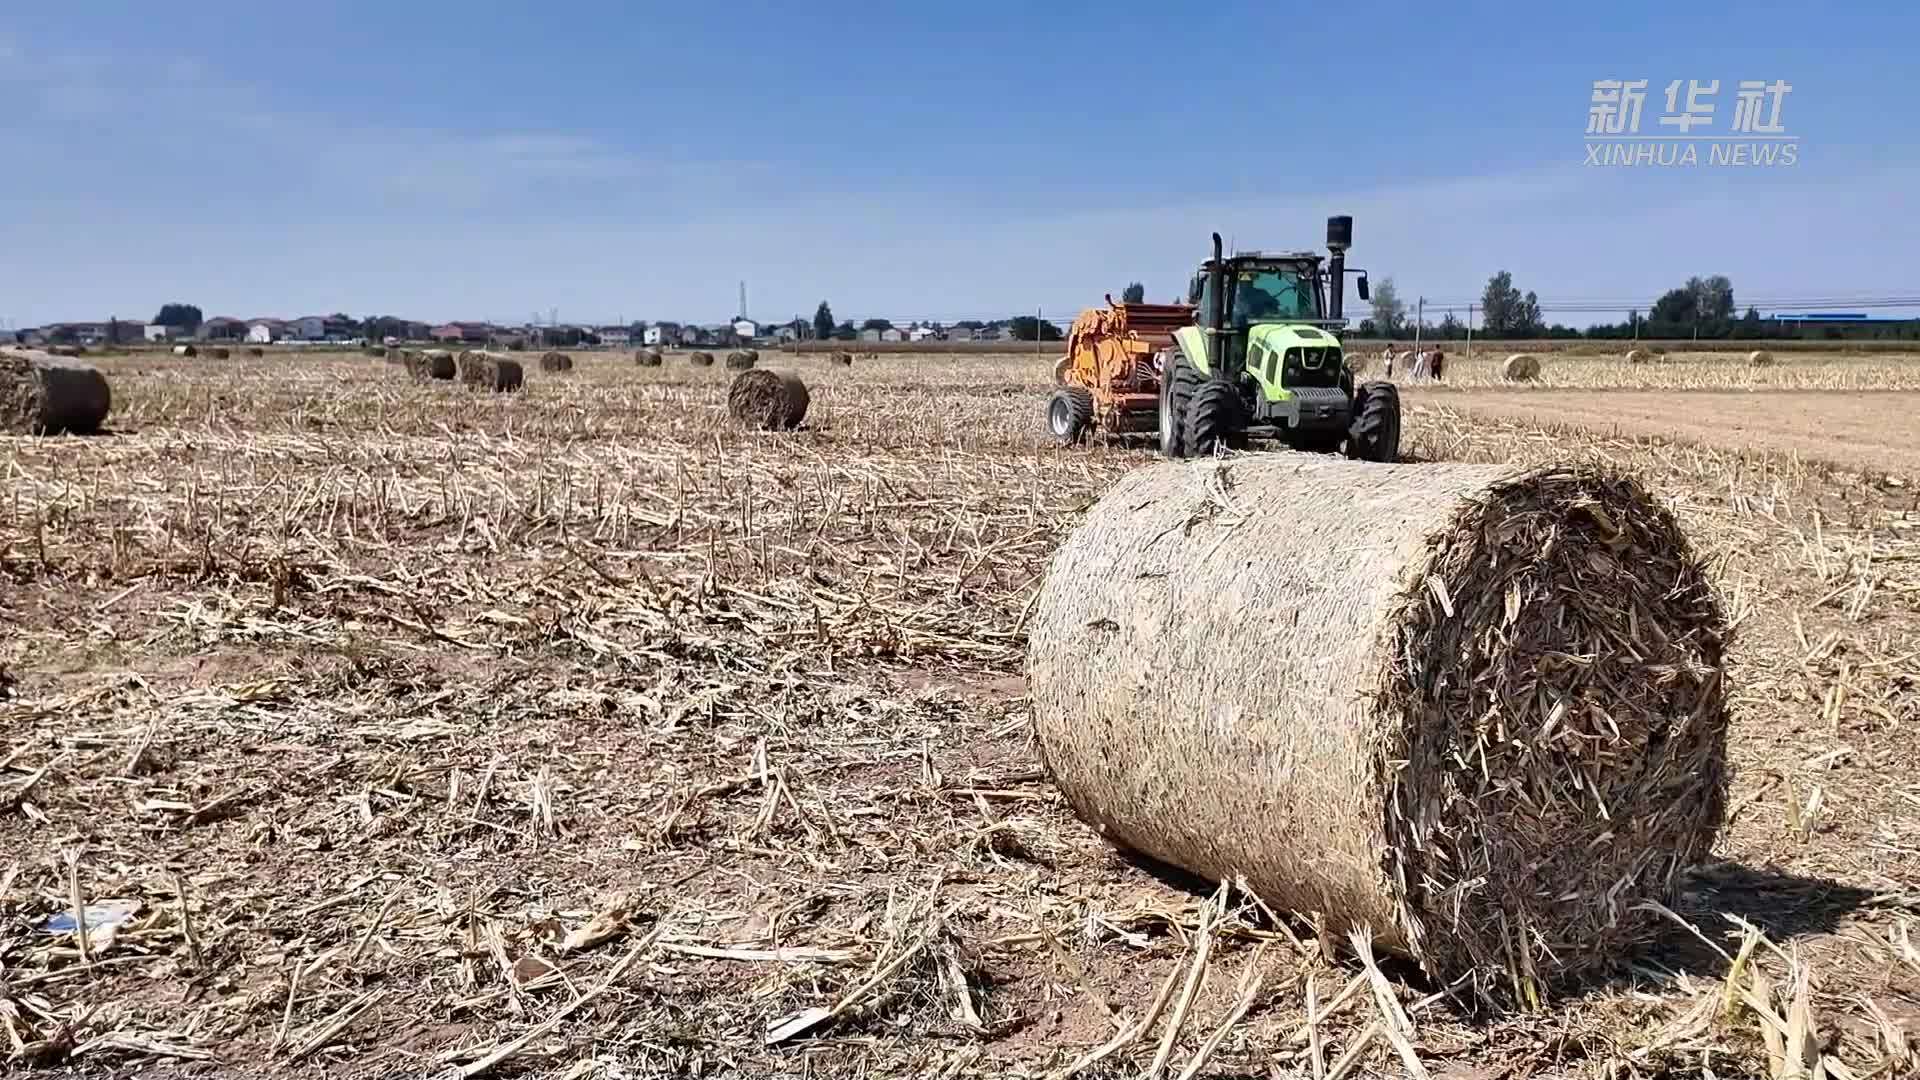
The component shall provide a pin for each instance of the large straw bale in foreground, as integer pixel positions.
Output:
(41, 395)
(1475, 710)
(769, 400)
(489, 371)
(1521, 367)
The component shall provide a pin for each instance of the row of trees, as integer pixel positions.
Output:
(1703, 307)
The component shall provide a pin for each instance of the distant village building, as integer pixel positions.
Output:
(892, 333)
(619, 336)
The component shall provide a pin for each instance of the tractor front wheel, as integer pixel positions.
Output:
(1216, 420)
(1375, 434)
(1178, 381)
(1070, 415)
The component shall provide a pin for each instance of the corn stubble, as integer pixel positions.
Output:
(364, 696)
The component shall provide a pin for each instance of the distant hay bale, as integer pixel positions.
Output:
(742, 359)
(431, 364)
(185, 350)
(841, 359)
(1638, 356)
(648, 358)
(256, 351)
(1488, 724)
(67, 351)
(379, 352)
(487, 371)
(700, 359)
(40, 396)
(1522, 367)
(555, 361)
(1760, 358)
(219, 352)
(768, 400)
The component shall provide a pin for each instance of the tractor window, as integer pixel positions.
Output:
(1272, 296)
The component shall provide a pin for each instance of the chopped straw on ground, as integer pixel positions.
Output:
(488, 371)
(1475, 711)
(39, 395)
(769, 400)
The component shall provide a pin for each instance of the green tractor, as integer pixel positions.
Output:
(1263, 360)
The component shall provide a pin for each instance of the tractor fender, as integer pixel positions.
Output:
(1192, 343)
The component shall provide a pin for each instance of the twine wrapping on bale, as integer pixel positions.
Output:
(1760, 358)
(700, 359)
(432, 364)
(1476, 711)
(742, 359)
(40, 396)
(555, 361)
(489, 372)
(768, 400)
(185, 350)
(647, 358)
(1522, 367)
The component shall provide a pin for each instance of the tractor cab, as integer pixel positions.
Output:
(1262, 289)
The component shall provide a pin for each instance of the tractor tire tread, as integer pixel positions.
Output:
(1375, 434)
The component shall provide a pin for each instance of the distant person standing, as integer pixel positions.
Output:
(1387, 355)
(1436, 364)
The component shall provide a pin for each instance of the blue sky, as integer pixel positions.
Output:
(637, 160)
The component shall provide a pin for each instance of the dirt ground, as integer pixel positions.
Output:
(392, 729)
(1870, 431)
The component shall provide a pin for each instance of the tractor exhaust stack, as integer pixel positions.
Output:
(1339, 239)
(1222, 340)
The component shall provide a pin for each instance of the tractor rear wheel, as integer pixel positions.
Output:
(1375, 434)
(1070, 415)
(1216, 420)
(1178, 381)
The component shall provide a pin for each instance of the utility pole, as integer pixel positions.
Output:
(1419, 324)
(1469, 331)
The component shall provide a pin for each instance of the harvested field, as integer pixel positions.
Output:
(1871, 431)
(380, 729)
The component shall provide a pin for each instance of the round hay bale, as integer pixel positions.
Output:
(647, 358)
(185, 350)
(256, 351)
(700, 359)
(431, 364)
(1760, 358)
(219, 352)
(555, 361)
(1522, 367)
(1639, 356)
(488, 372)
(39, 396)
(1479, 711)
(841, 359)
(742, 359)
(768, 400)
